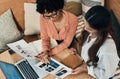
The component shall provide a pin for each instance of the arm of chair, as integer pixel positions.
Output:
(30, 38)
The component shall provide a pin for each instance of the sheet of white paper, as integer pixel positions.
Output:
(22, 48)
(56, 68)
(37, 45)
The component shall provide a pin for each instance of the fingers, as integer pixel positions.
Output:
(43, 57)
(79, 70)
(75, 72)
(72, 51)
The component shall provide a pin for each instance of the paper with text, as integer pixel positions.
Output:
(56, 68)
(29, 50)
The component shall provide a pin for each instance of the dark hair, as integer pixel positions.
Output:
(98, 18)
(49, 5)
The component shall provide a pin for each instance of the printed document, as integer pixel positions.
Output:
(55, 68)
(29, 50)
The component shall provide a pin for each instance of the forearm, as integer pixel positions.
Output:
(45, 45)
(57, 49)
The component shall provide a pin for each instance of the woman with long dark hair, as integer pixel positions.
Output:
(98, 48)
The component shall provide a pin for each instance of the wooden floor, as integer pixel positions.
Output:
(2, 75)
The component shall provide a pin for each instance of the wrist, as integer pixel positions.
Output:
(46, 52)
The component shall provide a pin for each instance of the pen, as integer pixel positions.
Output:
(47, 64)
(60, 70)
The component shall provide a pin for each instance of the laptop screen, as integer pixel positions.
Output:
(10, 71)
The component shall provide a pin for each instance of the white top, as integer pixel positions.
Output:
(108, 59)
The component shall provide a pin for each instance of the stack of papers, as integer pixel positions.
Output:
(29, 50)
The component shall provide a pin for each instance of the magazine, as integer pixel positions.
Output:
(55, 68)
(22, 48)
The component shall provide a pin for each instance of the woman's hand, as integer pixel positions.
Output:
(72, 51)
(43, 57)
(80, 69)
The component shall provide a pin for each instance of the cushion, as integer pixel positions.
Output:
(87, 4)
(8, 30)
(72, 0)
(80, 28)
(116, 28)
(81, 25)
(73, 7)
(32, 19)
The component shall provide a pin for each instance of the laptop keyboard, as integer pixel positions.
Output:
(27, 70)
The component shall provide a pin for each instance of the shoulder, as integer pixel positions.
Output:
(71, 19)
(109, 42)
(70, 15)
(42, 19)
(108, 51)
(108, 47)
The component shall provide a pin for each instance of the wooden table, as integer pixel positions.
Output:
(6, 57)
